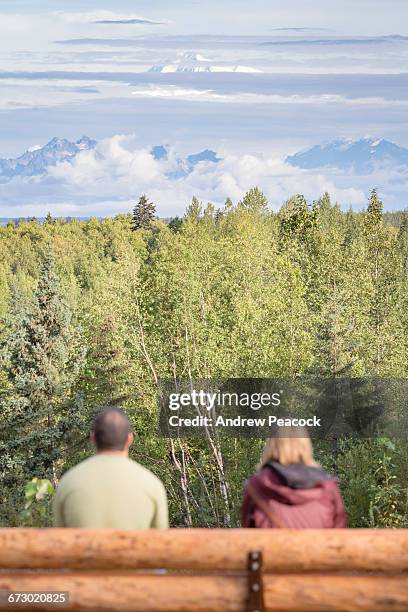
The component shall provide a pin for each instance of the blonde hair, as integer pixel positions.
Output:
(289, 445)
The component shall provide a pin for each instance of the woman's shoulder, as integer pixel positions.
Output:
(264, 476)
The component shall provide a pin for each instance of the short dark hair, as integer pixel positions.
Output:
(111, 428)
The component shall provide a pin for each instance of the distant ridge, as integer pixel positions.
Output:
(66, 218)
(360, 156)
(184, 166)
(36, 161)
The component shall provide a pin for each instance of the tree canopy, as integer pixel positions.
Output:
(94, 313)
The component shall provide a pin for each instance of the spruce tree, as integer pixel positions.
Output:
(108, 366)
(49, 219)
(219, 214)
(175, 224)
(329, 215)
(254, 201)
(334, 344)
(374, 214)
(143, 214)
(194, 211)
(42, 357)
(403, 242)
(351, 227)
(297, 220)
(403, 229)
(383, 264)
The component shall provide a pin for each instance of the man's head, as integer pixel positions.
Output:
(111, 431)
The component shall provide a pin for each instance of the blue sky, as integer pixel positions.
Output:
(254, 81)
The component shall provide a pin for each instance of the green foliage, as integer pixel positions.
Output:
(49, 219)
(41, 357)
(255, 201)
(175, 224)
(374, 215)
(94, 314)
(143, 214)
(375, 482)
(36, 512)
(194, 211)
(297, 220)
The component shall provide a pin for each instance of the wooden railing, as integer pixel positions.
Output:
(207, 569)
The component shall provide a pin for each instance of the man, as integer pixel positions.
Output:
(109, 489)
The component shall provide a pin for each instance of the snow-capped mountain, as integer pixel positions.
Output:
(194, 62)
(36, 161)
(184, 166)
(360, 156)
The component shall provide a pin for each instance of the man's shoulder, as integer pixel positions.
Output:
(77, 470)
(145, 475)
(120, 468)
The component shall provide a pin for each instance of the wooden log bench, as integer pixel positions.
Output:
(208, 570)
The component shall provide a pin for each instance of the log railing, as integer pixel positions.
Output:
(111, 570)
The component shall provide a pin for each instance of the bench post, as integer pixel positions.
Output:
(255, 583)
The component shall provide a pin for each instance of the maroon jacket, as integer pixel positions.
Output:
(301, 496)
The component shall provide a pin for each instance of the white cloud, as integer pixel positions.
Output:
(54, 92)
(109, 164)
(174, 92)
(37, 31)
(105, 180)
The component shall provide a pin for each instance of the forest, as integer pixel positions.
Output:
(94, 313)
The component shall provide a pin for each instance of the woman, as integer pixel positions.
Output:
(290, 489)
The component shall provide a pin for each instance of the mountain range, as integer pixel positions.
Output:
(359, 156)
(184, 166)
(37, 160)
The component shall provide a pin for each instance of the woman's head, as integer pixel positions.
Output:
(289, 445)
